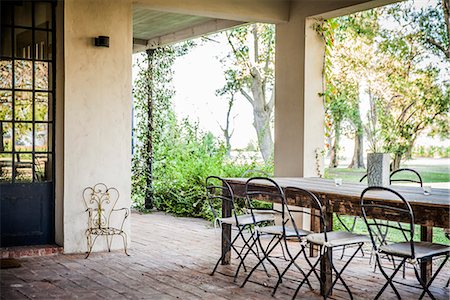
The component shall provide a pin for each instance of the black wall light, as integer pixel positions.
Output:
(102, 41)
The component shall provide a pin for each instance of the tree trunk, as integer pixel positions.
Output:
(358, 155)
(149, 192)
(262, 126)
(395, 165)
(262, 112)
(335, 147)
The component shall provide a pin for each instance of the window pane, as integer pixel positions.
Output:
(6, 13)
(5, 39)
(41, 108)
(5, 105)
(23, 42)
(23, 137)
(5, 167)
(43, 167)
(41, 140)
(43, 41)
(43, 15)
(23, 74)
(22, 13)
(23, 106)
(41, 75)
(24, 167)
(5, 136)
(6, 74)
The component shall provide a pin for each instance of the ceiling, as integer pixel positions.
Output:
(149, 24)
(152, 28)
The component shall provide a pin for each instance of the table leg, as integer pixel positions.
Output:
(426, 235)
(226, 232)
(326, 274)
(314, 227)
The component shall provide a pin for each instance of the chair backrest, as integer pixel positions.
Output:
(397, 211)
(362, 178)
(217, 192)
(263, 189)
(307, 200)
(406, 175)
(100, 201)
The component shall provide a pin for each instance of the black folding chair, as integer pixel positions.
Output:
(328, 241)
(254, 192)
(406, 175)
(408, 251)
(351, 227)
(294, 233)
(219, 191)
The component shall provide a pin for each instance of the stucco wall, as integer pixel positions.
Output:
(97, 109)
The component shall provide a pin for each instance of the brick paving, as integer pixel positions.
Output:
(171, 258)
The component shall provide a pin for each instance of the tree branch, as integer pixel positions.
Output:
(247, 96)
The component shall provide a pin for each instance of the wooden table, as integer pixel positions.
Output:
(429, 211)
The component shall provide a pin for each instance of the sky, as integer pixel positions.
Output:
(197, 77)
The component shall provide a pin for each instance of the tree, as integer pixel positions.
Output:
(252, 70)
(230, 89)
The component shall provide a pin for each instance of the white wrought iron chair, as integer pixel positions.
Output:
(100, 204)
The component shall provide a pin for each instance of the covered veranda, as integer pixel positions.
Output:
(172, 258)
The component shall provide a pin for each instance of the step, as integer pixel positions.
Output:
(30, 251)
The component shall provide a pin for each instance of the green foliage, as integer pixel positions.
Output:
(183, 156)
(408, 93)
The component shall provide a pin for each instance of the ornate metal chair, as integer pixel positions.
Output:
(408, 250)
(100, 204)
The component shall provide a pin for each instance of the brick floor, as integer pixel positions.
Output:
(171, 258)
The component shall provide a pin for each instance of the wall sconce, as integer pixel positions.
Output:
(101, 41)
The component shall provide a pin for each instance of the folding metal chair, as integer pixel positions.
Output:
(328, 241)
(406, 175)
(408, 251)
(294, 233)
(219, 191)
(274, 192)
(352, 226)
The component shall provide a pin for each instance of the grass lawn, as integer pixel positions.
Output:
(429, 173)
(437, 173)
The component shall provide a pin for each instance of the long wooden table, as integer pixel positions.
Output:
(429, 211)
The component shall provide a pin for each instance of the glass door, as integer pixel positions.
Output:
(27, 68)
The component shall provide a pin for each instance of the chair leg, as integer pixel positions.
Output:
(108, 242)
(292, 262)
(339, 273)
(311, 270)
(389, 279)
(125, 243)
(250, 249)
(229, 247)
(91, 244)
(428, 284)
(266, 253)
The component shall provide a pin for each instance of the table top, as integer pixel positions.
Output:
(352, 191)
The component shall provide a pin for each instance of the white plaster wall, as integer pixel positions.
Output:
(97, 110)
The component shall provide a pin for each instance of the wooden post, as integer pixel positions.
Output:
(149, 195)
(426, 235)
(226, 230)
(326, 274)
